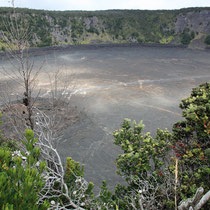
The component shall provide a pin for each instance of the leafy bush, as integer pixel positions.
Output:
(151, 161)
(191, 141)
(187, 36)
(207, 40)
(20, 177)
(143, 160)
(140, 149)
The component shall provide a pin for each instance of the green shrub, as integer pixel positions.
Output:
(139, 149)
(207, 40)
(20, 177)
(3, 48)
(187, 36)
(188, 145)
(142, 155)
(191, 141)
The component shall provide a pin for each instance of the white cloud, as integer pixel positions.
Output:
(106, 4)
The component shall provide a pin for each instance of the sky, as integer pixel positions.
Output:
(106, 4)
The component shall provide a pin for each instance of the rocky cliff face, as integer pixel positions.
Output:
(116, 26)
(196, 21)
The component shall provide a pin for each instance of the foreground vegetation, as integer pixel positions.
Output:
(160, 171)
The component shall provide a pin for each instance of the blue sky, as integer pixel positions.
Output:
(106, 4)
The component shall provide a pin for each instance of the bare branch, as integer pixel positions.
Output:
(55, 170)
(196, 202)
(203, 201)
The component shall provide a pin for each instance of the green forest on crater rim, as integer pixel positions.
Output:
(51, 28)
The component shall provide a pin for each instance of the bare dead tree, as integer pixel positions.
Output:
(148, 192)
(62, 85)
(58, 90)
(197, 202)
(22, 70)
(16, 37)
(55, 172)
